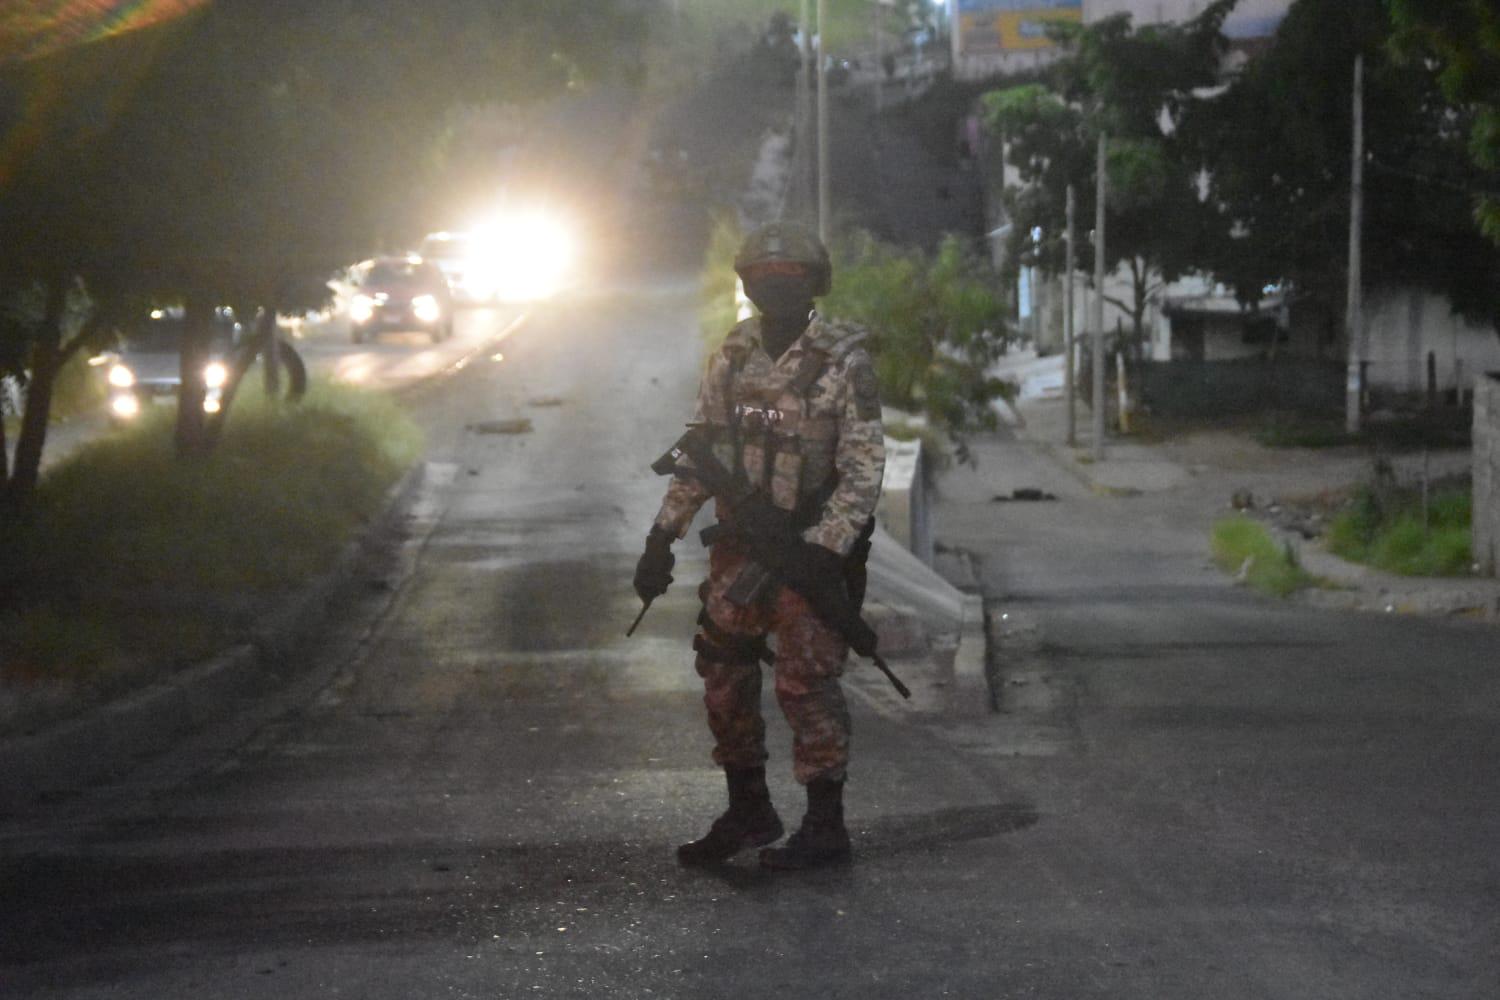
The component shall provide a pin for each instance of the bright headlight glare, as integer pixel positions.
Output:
(426, 308)
(211, 404)
(215, 374)
(121, 377)
(530, 254)
(361, 308)
(125, 406)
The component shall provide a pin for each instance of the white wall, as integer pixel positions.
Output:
(1402, 326)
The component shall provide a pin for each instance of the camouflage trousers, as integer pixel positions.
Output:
(809, 660)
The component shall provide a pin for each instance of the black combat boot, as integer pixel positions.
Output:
(750, 821)
(822, 839)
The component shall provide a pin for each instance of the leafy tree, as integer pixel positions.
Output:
(1276, 148)
(1464, 37)
(936, 323)
(1136, 84)
(241, 154)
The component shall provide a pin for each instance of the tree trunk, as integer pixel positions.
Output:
(270, 352)
(197, 333)
(252, 346)
(4, 445)
(1141, 279)
(46, 359)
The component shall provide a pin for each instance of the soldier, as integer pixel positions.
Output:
(791, 405)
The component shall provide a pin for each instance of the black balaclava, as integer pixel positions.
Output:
(785, 301)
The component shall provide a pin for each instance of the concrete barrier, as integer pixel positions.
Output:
(904, 509)
(1487, 474)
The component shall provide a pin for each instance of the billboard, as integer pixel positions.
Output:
(988, 27)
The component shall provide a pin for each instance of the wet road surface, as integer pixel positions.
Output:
(1191, 793)
(476, 788)
(484, 800)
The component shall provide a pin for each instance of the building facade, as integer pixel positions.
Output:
(1007, 36)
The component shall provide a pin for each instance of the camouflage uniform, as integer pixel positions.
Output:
(801, 423)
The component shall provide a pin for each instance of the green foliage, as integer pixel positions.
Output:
(1123, 79)
(1463, 36)
(1277, 149)
(700, 29)
(243, 153)
(937, 323)
(718, 307)
(1385, 529)
(1242, 545)
(143, 556)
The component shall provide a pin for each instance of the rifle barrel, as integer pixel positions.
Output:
(902, 689)
(637, 623)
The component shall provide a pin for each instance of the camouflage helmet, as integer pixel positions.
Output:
(787, 242)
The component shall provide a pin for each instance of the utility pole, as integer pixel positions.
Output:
(1068, 389)
(1354, 313)
(822, 121)
(1101, 190)
(802, 182)
(879, 56)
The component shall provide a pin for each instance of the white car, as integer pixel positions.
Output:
(467, 275)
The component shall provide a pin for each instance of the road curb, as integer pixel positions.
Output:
(109, 740)
(970, 694)
(1357, 587)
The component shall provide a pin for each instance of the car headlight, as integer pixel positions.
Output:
(121, 377)
(125, 406)
(426, 308)
(215, 374)
(361, 308)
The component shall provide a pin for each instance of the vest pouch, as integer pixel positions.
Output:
(786, 478)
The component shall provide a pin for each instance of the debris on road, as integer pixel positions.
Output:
(519, 425)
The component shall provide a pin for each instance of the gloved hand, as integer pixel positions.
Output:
(814, 569)
(758, 517)
(653, 573)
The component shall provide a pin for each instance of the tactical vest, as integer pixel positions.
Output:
(775, 444)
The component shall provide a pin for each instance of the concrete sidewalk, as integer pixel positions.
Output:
(1206, 470)
(1128, 468)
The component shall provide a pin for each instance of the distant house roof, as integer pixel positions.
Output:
(1218, 305)
(33, 28)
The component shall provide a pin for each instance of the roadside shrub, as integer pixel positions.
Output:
(1385, 529)
(937, 323)
(147, 557)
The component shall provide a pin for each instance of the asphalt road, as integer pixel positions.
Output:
(1191, 792)
(483, 800)
(476, 788)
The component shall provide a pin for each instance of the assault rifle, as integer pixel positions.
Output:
(777, 551)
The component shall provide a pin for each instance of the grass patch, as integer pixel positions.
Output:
(1386, 529)
(131, 560)
(1241, 545)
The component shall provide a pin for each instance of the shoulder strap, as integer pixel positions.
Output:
(735, 358)
(808, 372)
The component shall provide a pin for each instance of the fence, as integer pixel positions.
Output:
(1487, 474)
(1213, 388)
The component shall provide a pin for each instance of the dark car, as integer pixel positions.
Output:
(147, 368)
(400, 293)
